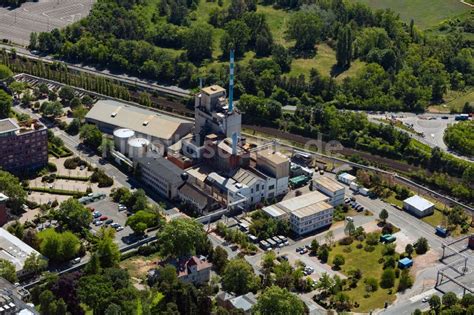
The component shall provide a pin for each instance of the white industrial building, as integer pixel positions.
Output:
(306, 213)
(15, 250)
(330, 188)
(418, 206)
(312, 217)
(346, 178)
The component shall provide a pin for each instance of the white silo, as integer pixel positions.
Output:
(121, 137)
(137, 147)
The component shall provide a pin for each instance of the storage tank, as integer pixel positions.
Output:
(121, 137)
(137, 147)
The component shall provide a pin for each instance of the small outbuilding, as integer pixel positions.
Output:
(418, 206)
(405, 263)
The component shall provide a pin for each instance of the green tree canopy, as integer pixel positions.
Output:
(5, 104)
(198, 42)
(10, 186)
(275, 300)
(91, 136)
(7, 271)
(305, 28)
(73, 216)
(239, 277)
(181, 237)
(5, 73)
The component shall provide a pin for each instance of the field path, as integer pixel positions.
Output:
(467, 3)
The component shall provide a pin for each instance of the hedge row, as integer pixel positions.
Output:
(76, 194)
(78, 178)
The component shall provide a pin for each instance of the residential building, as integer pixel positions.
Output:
(196, 270)
(22, 147)
(311, 218)
(418, 206)
(161, 175)
(330, 188)
(346, 178)
(243, 302)
(159, 129)
(14, 250)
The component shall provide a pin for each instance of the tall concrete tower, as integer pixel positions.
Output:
(212, 112)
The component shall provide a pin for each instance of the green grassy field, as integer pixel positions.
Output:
(424, 13)
(454, 101)
(367, 262)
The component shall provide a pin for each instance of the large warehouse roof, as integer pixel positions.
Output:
(418, 203)
(138, 119)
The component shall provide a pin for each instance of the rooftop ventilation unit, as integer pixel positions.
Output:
(113, 114)
(145, 123)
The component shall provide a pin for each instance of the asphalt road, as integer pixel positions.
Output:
(431, 125)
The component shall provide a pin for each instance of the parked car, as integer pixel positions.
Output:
(121, 207)
(75, 261)
(347, 200)
(115, 225)
(103, 218)
(120, 228)
(96, 214)
(303, 251)
(299, 249)
(349, 219)
(282, 257)
(109, 221)
(98, 223)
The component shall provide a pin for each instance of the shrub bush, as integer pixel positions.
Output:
(346, 240)
(359, 246)
(369, 248)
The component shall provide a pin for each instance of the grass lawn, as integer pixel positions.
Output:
(138, 266)
(392, 200)
(425, 14)
(277, 20)
(435, 219)
(454, 101)
(367, 262)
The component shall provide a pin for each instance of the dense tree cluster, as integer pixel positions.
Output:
(460, 137)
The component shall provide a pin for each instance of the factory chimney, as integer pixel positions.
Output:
(231, 82)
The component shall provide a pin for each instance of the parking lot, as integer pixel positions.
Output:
(108, 208)
(16, 25)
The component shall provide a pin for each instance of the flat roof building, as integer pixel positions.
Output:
(346, 178)
(330, 188)
(160, 175)
(275, 212)
(109, 115)
(14, 250)
(418, 206)
(302, 201)
(312, 217)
